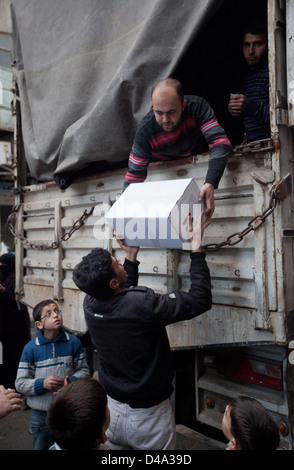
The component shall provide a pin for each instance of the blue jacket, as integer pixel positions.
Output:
(41, 358)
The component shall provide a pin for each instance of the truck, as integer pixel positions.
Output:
(82, 80)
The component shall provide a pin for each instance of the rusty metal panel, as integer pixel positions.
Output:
(6, 97)
(290, 59)
(244, 310)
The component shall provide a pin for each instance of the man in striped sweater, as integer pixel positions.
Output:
(176, 127)
(253, 103)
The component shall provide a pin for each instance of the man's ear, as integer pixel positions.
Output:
(114, 284)
(103, 437)
(234, 444)
(38, 325)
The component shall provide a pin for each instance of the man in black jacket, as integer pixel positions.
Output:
(127, 327)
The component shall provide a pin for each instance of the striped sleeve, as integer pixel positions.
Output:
(139, 159)
(218, 142)
(25, 382)
(257, 111)
(137, 169)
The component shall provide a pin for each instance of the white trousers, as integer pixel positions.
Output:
(141, 428)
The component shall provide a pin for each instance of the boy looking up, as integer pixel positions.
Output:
(47, 362)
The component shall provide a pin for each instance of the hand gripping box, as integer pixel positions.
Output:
(156, 214)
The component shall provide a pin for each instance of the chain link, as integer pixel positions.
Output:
(76, 226)
(253, 224)
(235, 238)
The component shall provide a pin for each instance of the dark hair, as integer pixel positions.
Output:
(8, 259)
(256, 26)
(37, 311)
(171, 82)
(94, 273)
(76, 416)
(252, 426)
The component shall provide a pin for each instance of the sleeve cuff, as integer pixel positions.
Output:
(39, 389)
(197, 255)
(132, 263)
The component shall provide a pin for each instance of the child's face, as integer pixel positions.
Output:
(51, 318)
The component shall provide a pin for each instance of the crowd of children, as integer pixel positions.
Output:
(69, 408)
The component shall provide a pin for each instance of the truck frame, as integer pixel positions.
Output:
(243, 345)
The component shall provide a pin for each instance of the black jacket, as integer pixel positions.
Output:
(128, 331)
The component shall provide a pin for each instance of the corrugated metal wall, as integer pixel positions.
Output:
(244, 309)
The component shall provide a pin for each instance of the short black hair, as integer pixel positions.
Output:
(37, 311)
(94, 273)
(77, 414)
(256, 26)
(252, 426)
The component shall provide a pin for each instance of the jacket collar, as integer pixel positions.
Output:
(40, 338)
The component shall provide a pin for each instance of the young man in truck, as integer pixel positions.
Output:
(253, 103)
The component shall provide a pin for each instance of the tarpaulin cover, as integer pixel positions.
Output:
(85, 70)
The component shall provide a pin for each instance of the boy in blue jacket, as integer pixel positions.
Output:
(47, 363)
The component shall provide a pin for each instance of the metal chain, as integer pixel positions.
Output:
(232, 240)
(76, 226)
(253, 224)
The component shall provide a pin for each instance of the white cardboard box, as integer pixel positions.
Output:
(156, 214)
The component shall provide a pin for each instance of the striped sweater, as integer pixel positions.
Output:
(257, 114)
(198, 131)
(41, 358)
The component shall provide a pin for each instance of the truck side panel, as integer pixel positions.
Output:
(243, 310)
